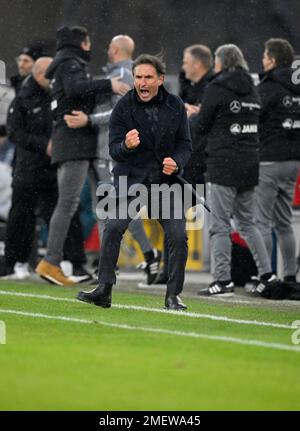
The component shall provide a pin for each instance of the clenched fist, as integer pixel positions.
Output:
(132, 139)
(169, 166)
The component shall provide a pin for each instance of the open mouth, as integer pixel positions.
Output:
(144, 92)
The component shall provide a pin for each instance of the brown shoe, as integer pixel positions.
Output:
(53, 274)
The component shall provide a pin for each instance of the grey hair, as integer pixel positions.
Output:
(231, 57)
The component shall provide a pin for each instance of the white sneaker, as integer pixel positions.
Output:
(21, 271)
(67, 267)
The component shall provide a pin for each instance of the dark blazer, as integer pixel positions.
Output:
(172, 138)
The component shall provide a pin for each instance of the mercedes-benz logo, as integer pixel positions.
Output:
(235, 106)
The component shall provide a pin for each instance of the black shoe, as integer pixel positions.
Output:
(162, 279)
(290, 280)
(100, 296)
(151, 266)
(218, 288)
(173, 302)
(80, 275)
(262, 287)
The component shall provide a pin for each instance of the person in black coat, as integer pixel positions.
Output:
(197, 64)
(150, 141)
(229, 119)
(280, 150)
(34, 178)
(72, 149)
(194, 78)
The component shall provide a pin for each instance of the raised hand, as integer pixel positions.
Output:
(132, 139)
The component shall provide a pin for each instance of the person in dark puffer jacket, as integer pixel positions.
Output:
(280, 151)
(72, 149)
(29, 125)
(229, 119)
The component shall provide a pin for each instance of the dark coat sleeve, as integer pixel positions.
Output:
(203, 122)
(17, 132)
(117, 133)
(76, 84)
(183, 141)
(267, 94)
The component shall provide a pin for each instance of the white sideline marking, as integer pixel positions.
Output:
(157, 310)
(248, 342)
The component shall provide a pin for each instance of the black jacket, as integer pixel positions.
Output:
(279, 128)
(73, 90)
(16, 82)
(229, 119)
(171, 139)
(29, 125)
(193, 94)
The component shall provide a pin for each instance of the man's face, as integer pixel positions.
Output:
(86, 44)
(147, 81)
(111, 51)
(25, 64)
(268, 62)
(218, 65)
(189, 65)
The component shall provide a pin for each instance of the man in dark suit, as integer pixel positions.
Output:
(150, 141)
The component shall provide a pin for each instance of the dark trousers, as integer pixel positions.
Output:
(166, 257)
(28, 201)
(175, 231)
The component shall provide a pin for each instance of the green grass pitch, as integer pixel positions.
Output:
(66, 355)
